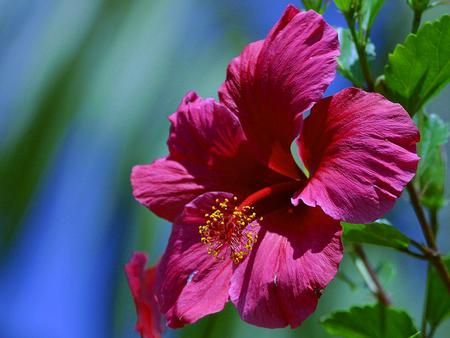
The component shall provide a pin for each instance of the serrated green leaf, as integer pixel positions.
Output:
(380, 233)
(348, 61)
(371, 321)
(369, 11)
(438, 298)
(431, 172)
(420, 67)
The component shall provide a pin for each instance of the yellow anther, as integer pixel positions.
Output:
(228, 230)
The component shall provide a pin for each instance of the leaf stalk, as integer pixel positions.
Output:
(431, 251)
(374, 284)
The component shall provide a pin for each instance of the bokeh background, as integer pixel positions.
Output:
(85, 90)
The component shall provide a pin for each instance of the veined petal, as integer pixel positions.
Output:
(204, 132)
(275, 80)
(298, 254)
(191, 282)
(166, 186)
(142, 282)
(208, 152)
(360, 150)
(205, 139)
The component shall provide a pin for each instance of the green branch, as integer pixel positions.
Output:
(429, 251)
(361, 50)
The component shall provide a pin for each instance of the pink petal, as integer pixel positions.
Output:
(275, 80)
(204, 132)
(206, 136)
(192, 283)
(208, 152)
(141, 284)
(281, 281)
(166, 186)
(360, 150)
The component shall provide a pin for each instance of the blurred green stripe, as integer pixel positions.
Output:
(25, 161)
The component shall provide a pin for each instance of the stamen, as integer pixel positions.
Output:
(229, 230)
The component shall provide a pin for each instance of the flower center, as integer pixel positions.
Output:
(229, 230)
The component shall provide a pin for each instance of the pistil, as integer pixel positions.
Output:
(229, 230)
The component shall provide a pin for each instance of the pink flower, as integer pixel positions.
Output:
(248, 225)
(141, 283)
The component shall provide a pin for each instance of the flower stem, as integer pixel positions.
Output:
(434, 220)
(431, 251)
(426, 228)
(416, 21)
(434, 227)
(413, 254)
(374, 284)
(425, 301)
(361, 50)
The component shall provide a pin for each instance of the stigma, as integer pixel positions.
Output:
(229, 230)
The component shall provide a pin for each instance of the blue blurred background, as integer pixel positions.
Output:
(85, 90)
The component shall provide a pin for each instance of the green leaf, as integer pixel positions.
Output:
(386, 272)
(380, 233)
(371, 321)
(420, 67)
(212, 326)
(369, 11)
(348, 56)
(431, 172)
(348, 61)
(438, 298)
(344, 5)
(317, 5)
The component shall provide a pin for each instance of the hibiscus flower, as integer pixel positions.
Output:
(249, 225)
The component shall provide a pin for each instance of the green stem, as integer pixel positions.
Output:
(434, 220)
(431, 251)
(426, 228)
(350, 77)
(373, 283)
(413, 254)
(361, 50)
(416, 21)
(424, 313)
(432, 331)
(434, 228)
